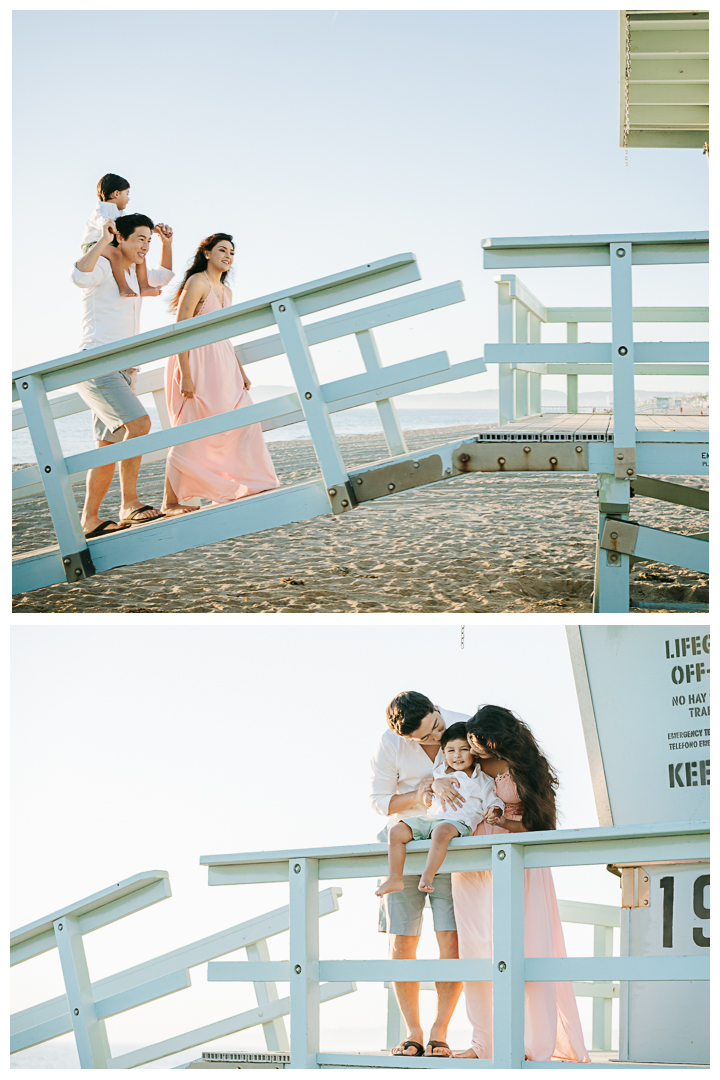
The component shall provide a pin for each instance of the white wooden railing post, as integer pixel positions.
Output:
(56, 479)
(534, 377)
(602, 1007)
(386, 408)
(612, 573)
(314, 406)
(521, 377)
(623, 360)
(572, 380)
(274, 1031)
(304, 961)
(90, 1036)
(506, 373)
(395, 1023)
(508, 904)
(160, 400)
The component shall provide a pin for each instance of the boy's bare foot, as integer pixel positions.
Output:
(150, 290)
(466, 1054)
(425, 886)
(125, 290)
(391, 885)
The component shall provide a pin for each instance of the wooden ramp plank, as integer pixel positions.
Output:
(169, 536)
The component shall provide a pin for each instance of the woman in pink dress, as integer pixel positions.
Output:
(526, 783)
(204, 382)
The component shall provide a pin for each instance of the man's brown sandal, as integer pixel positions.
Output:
(397, 1051)
(438, 1042)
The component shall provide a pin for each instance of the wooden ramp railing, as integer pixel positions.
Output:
(76, 558)
(86, 1005)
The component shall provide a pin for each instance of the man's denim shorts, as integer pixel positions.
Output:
(113, 404)
(402, 912)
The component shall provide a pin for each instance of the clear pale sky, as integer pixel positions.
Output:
(325, 139)
(148, 746)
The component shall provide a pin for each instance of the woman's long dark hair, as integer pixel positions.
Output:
(200, 261)
(508, 738)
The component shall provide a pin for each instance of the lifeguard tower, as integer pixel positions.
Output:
(643, 701)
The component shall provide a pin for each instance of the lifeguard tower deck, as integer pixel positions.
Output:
(627, 452)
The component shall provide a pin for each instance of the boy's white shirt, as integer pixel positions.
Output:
(478, 791)
(94, 224)
(398, 765)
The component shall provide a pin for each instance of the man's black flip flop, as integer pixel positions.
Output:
(103, 528)
(404, 1045)
(438, 1042)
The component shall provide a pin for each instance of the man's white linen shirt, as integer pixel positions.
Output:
(477, 790)
(108, 316)
(398, 765)
(104, 211)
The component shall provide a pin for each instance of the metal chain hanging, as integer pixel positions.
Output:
(628, 68)
(462, 637)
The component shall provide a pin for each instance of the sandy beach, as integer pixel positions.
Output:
(479, 543)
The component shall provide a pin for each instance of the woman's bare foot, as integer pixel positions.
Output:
(425, 886)
(466, 1054)
(175, 509)
(390, 885)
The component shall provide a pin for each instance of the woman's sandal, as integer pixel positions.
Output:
(438, 1042)
(397, 1051)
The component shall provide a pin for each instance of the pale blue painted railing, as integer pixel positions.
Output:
(507, 857)
(603, 918)
(621, 456)
(86, 1005)
(76, 558)
(522, 360)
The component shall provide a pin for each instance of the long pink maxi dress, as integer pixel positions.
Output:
(552, 1023)
(220, 467)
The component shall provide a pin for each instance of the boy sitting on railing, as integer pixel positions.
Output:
(440, 825)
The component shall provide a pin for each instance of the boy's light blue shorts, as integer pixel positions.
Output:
(422, 827)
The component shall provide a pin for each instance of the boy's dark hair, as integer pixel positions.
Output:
(455, 731)
(406, 712)
(108, 183)
(126, 225)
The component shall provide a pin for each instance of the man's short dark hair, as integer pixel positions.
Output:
(110, 182)
(406, 712)
(126, 225)
(455, 731)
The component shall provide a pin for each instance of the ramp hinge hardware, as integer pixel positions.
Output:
(79, 565)
(625, 463)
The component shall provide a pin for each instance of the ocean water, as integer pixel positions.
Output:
(75, 432)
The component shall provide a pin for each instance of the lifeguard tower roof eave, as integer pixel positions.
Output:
(664, 73)
(593, 249)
